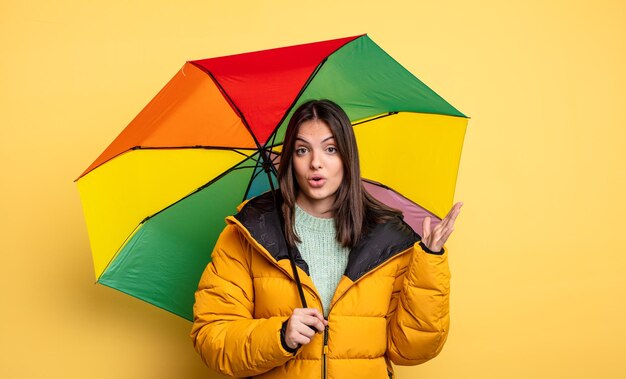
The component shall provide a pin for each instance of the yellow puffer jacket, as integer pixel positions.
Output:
(391, 305)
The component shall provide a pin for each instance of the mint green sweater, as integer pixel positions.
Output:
(326, 258)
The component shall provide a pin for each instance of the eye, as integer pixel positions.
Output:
(301, 150)
(331, 149)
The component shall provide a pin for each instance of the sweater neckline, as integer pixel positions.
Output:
(307, 221)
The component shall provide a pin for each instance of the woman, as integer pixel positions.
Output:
(367, 290)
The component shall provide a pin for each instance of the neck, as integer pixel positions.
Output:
(321, 209)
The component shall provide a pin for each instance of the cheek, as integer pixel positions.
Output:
(339, 170)
(299, 168)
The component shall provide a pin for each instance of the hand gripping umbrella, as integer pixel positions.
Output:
(155, 199)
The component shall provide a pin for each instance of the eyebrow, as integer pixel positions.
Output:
(324, 140)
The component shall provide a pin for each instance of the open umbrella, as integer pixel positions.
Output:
(155, 199)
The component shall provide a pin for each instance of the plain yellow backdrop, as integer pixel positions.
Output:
(538, 255)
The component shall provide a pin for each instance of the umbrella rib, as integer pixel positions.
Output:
(257, 173)
(295, 100)
(205, 147)
(238, 111)
(233, 168)
(271, 162)
(306, 85)
(395, 113)
(276, 157)
(226, 172)
(234, 149)
(242, 167)
(374, 118)
(236, 167)
(119, 250)
(354, 124)
(231, 102)
(254, 159)
(254, 175)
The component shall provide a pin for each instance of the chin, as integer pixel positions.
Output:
(313, 197)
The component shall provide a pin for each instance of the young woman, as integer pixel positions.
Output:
(367, 290)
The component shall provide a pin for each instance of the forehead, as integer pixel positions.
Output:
(314, 129)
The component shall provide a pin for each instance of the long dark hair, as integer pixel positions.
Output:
(354, 209)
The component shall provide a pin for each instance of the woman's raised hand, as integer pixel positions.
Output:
(302, 326)
(435, 239)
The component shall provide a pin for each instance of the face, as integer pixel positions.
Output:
(318, 168)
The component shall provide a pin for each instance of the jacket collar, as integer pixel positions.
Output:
(262, 218)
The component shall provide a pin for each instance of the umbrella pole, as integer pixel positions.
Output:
(296, 277)
(268, 167)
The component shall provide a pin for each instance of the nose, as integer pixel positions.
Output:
(316, 160)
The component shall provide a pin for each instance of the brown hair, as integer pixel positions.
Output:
(354, 208)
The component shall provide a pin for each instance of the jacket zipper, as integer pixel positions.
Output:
(325, 345)
(325, 353)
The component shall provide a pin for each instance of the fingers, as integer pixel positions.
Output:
(454, 212)
(313, 324)
(312, 317)
(452, 215)
(435, 239)
(303, 324)
(448, 221)
(443, 238)
(313, 312)
(426, 228)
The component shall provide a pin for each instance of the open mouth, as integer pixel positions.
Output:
(316, 181)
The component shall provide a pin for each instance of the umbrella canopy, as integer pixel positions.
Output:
(155, 200)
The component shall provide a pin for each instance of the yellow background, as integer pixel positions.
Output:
(538, 257)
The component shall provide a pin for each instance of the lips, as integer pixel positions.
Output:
(316, 181)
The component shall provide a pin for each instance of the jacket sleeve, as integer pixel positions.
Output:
(418, 316)
(225, 334)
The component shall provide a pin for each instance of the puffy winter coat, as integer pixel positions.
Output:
(391, 305)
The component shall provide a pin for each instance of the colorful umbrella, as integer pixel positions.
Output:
(155, 200)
